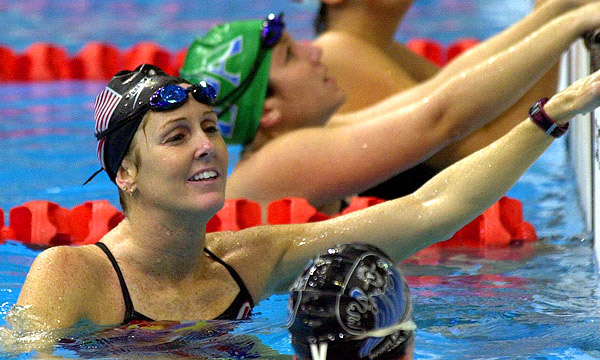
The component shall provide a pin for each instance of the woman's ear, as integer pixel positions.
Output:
(126, 175)
(271, 114)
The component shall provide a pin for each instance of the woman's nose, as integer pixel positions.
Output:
(205, 150)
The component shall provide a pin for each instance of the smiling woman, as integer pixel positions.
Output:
(160, 264)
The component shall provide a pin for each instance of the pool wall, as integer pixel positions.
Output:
(583, 143)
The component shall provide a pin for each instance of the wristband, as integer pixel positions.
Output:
(545, 122)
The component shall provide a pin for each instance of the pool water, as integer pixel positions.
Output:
(536, 301)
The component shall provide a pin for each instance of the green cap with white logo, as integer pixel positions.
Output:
(231, 58)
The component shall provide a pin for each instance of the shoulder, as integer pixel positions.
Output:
(60, 281)
(60, 260)
(61, 267)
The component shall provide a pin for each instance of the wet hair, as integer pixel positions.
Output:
(320, 23)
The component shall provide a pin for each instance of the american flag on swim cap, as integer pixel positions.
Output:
(104, 106)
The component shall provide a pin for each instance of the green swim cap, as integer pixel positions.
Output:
(226, 58)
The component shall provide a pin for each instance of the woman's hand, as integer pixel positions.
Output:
(580, 97)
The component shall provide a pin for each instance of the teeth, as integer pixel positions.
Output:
(204, 175)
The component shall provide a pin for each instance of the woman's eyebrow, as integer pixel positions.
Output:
(171, 121)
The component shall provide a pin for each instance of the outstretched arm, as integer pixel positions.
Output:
(542, 14)
(446, 203)
(328, 164)
(519, 65)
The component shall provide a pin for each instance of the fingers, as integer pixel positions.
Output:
(581, 97)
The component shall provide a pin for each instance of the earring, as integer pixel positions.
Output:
(131, 191)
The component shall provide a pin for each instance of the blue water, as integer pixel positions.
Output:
(524, 302)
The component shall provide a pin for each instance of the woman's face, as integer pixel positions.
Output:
(299, 82)
(183, 159)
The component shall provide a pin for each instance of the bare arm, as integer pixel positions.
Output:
(447, 202)
(518, 66)
(328, 164)
(543, 13)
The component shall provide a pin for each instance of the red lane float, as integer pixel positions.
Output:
(40, 223)
(100, 60)
(95, 61)
(499, 226)
(91, 220)
(44, 62)
(293, 211)
(8, 64)
(148, 52)
(47, 224)
(179, 59)
(430, 49)
(459, 47)
(236, 214)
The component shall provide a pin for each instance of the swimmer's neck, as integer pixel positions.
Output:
(168, 248)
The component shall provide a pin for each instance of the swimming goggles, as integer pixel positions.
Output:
(272, 30)
(168, 97)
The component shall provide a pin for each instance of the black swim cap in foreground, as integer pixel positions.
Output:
(120, 107)
(350, 303)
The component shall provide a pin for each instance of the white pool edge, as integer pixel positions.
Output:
(583, 144)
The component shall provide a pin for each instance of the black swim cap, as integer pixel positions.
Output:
(352, 303)
(121, 106)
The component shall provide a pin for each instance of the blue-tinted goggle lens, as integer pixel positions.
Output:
(273, 28)
(173, 96)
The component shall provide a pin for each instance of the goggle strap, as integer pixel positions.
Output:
(233, 96)
(408, 325)
(93, 176)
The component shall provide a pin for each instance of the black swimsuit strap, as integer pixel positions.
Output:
(130, 313)
(234, 275)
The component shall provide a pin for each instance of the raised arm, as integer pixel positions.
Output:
(543, 13)
(447, 202)
(516, 67)
(323, 165)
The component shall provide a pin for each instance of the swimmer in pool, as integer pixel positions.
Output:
(158, 142)
(278, 101)
(370, 64)
(351, 303)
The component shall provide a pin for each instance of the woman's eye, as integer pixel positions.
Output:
(176, 137)
(209, 125)
(211, 129)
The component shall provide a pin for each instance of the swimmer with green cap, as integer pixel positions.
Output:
(235, 59)
(295, 145)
